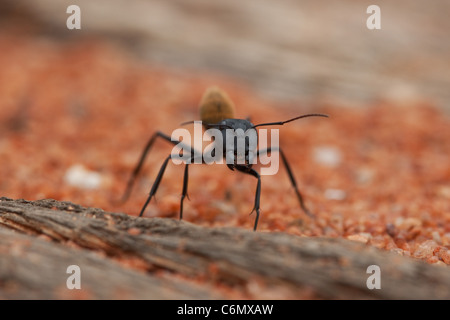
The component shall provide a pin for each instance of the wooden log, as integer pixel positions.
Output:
(122, 256)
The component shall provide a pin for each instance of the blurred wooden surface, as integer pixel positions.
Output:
(121, 257)
(300, 50)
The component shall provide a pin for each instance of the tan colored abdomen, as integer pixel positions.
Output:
(215, 106)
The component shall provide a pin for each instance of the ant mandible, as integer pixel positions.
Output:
(217, 111)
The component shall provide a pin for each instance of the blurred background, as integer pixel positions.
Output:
(302, 50)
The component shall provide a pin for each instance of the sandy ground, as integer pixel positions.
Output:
(378, 174)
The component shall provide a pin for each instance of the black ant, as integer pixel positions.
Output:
(217, 111)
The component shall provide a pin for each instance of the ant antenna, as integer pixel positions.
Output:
(283, 122)
(188, 122)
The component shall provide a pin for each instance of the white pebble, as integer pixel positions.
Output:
(78, 176)
(335, 194)
(328, 156)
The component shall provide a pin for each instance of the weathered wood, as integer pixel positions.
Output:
(103, 244)
(33, 268)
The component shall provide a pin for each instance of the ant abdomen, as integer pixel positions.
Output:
(216, 106)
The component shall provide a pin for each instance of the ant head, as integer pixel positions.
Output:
(240, 138)
(240, 141)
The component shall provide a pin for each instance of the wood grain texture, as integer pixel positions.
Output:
(39, 239)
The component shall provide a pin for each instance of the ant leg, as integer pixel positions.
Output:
(257, 194)
(138, 167)
(159, 178)
(155, 184)
(184, 193)
(291, 177)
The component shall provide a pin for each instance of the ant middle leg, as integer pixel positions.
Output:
(144, 154)
(155, 184)
(291, 177)
(159, 178)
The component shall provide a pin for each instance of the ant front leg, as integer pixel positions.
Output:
(184, 192)
(291, 177)
(256, 207)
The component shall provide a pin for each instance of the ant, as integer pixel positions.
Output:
(217, 111)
